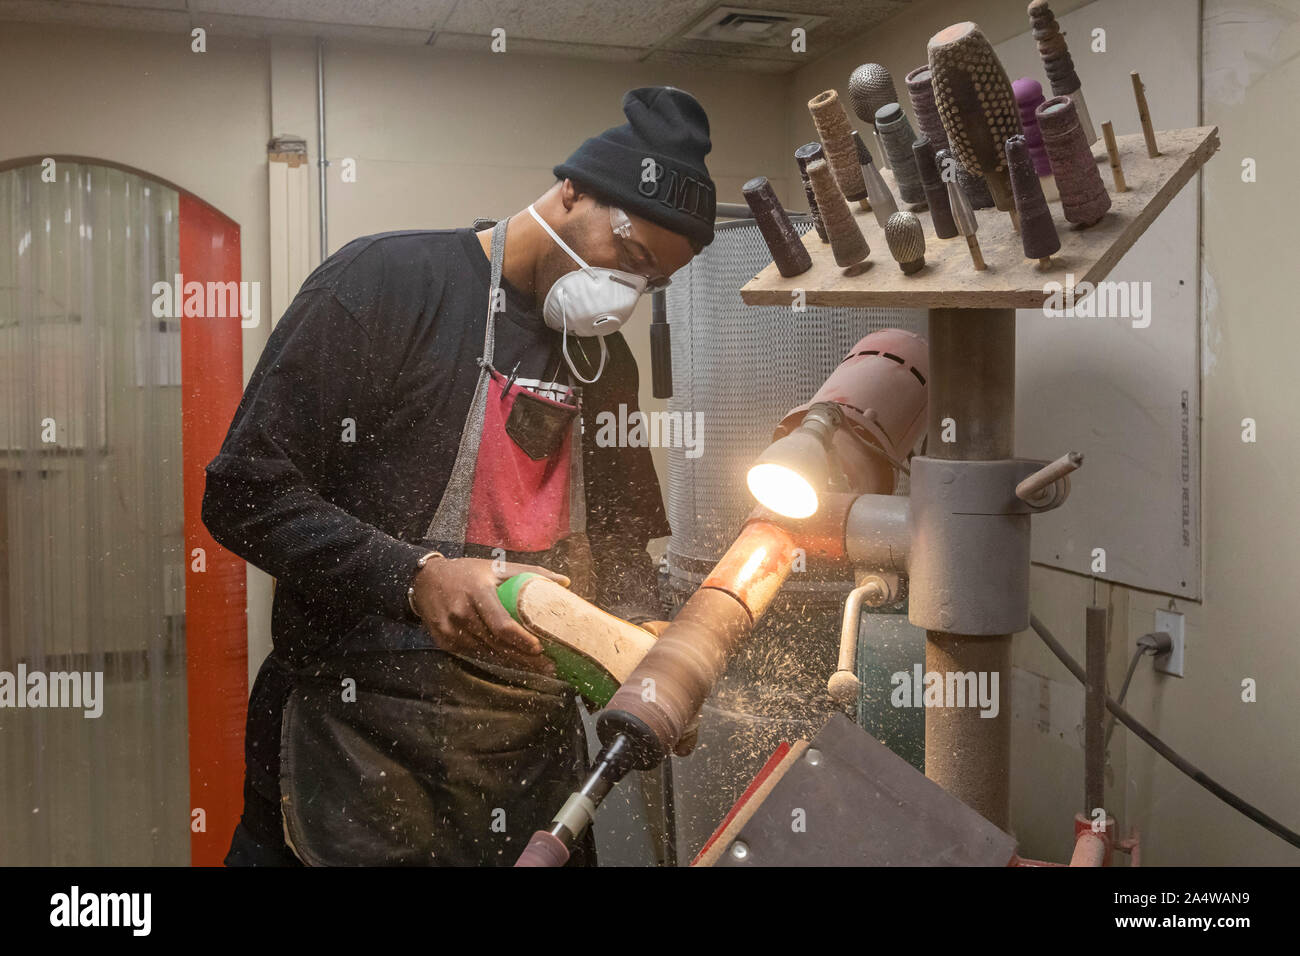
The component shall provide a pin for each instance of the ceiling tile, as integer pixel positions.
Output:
(753, 51)
(616, 22)
(409, 14)
(154, 4)
(96, 15)
(218, 25)
(704, 61)
(607, 30)
(479, 43)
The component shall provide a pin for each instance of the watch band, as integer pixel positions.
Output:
(410, 591)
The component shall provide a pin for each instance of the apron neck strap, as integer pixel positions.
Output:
(494, 284)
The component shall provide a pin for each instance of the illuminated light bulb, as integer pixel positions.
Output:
(782, 490)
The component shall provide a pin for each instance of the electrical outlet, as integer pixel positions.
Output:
(1172, 624)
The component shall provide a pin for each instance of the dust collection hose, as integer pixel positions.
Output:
(649, 712)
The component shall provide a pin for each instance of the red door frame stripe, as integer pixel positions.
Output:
(216, 620)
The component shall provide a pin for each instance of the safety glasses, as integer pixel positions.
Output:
(634, 255)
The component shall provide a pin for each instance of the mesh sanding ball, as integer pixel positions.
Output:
(870, 87)
(906, 238)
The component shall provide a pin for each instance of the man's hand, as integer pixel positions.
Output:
(456, 599)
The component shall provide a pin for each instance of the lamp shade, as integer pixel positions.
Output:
(790, 475)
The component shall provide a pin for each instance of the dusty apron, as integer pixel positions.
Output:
(420, 756)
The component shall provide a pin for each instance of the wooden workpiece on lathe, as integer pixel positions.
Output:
(557, 614)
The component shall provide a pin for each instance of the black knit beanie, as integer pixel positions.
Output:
(653, 165)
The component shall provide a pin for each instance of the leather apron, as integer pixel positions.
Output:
(422, 757)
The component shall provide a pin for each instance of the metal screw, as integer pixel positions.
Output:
(740, 850)
(813, 756)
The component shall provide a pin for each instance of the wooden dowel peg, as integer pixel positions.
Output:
(976, 254)
(1144, 115)
(1045, 263)
(1015, 220)
(1112, 148)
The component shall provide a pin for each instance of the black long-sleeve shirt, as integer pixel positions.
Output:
(380, 346)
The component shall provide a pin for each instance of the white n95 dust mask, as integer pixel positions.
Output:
(590, 301)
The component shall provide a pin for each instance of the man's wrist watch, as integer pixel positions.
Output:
(410, 591)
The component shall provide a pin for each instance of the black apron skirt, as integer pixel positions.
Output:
(437, 761)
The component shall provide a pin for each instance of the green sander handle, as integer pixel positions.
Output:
(587, 677)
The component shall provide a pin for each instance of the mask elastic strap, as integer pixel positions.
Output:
(564, 348)
(562, 244)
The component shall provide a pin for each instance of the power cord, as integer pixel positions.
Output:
(1157, 642)
(1163, 749)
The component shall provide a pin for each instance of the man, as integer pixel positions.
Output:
(410, 438)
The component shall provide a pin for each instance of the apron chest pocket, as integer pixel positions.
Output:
(536, 425)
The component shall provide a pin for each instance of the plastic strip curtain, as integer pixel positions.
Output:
(91, 519)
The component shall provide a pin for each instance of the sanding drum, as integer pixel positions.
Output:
(920, 90)
(896, 139)
(977, 105)
(664, 693)
(1058, 64)
(1029, 96)
(1037, 231)
(778, 231)
(802, 157)
(848, 245)
(837, 137)
(1084, 199)
(936, 193)
(973, 187)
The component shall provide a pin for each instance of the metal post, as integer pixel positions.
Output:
(1094, 712)
(972, 386)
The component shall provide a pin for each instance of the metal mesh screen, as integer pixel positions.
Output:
(742, 367)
